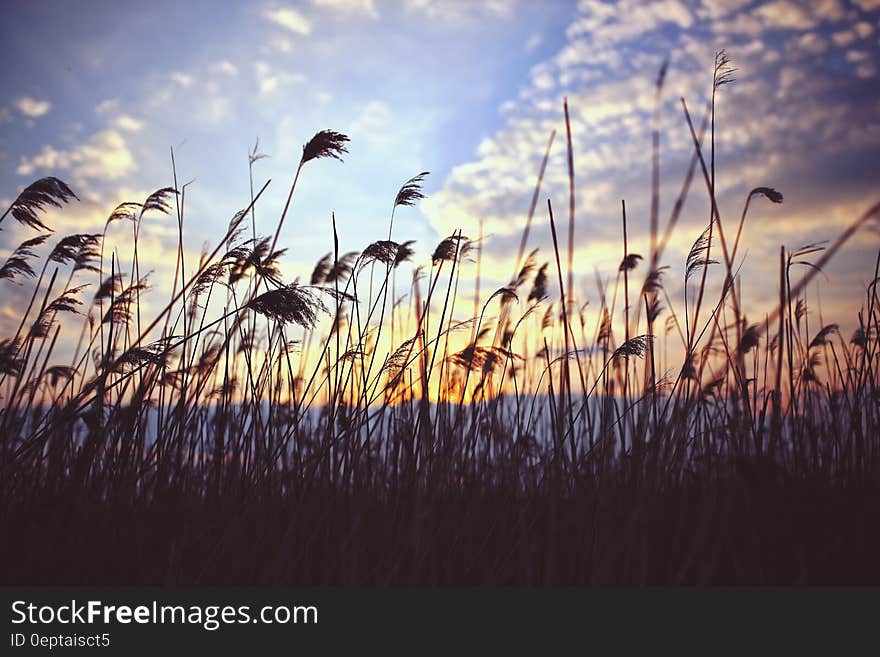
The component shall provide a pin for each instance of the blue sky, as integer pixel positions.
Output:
(97, 93)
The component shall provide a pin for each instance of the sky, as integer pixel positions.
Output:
(99, 93)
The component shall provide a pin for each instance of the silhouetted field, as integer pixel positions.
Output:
(362, 429)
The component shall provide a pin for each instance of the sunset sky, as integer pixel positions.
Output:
(97, 93)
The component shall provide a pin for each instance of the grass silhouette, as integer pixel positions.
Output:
(258, 431)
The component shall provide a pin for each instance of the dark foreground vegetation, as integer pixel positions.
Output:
(255, 431)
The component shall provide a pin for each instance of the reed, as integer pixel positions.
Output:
(250, 429)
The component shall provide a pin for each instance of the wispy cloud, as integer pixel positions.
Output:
(290, 19)
(104, 155)
(128, 123)
(31, 107)
(352, 7)
(462, 11)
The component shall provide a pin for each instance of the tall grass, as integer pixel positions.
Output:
(256, 431)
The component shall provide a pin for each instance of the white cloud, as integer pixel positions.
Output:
(269, 80)
(105, 155)
(289, 19)
(107, 106)
(785, 14)
(462, 11)
(31, 107)
(864, 29)
(813, 43)
(534, 42)
(744, 24)
(365, 7)
(183, 79)
(225, 67)
(128, 123)
(843, 38)
(716, 9)
(373, 120)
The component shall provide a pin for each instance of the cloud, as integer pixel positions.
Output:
(843, 38)
(785, 14)
(183, 79)
(289, 19)
(793, 119)
(533, 43)
(813, 43)
(107, 106)
(372, 122)
(128, 123)
(31, 107)
(864, 29)
(225, 67)
(270, 81)
(364, 7)
(609, 24)
(462, 11)
(105, 155)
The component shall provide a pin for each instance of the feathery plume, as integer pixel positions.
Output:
(35, 198)
(411, 191)
(159, 200)
(630, 262)
(79, 249)
(384, 251)
(17, 263)
(635, 346)
(342, 268)
(823, 335)
(526, 270)
(326, 143)
(447, 249)
(10, 364)
(723, 73)
(322, 268)
(127, 211)
(749, 339)
(768, 192)
(289, 304)
(696, 258)
(539, 286)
